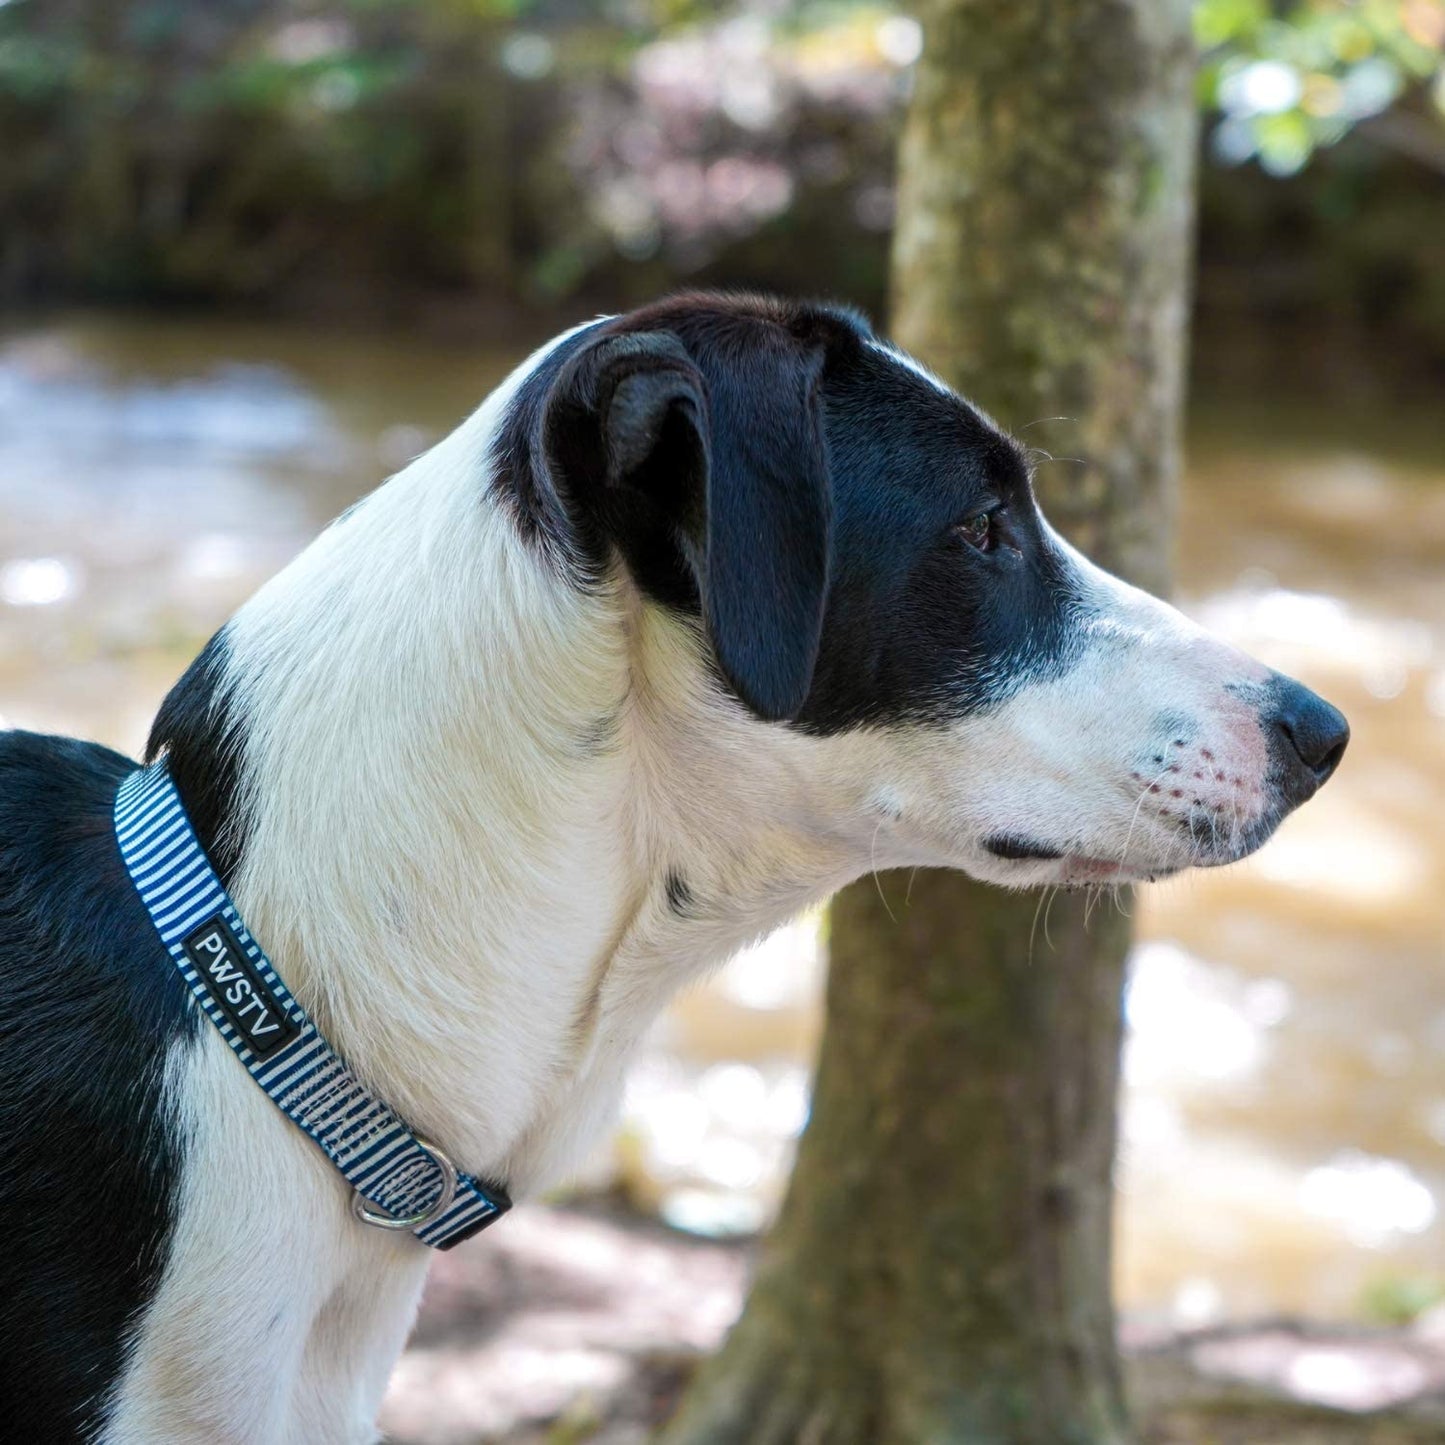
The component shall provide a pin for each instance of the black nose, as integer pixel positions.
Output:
(1311, 739)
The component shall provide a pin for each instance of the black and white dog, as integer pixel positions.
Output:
(709, 609)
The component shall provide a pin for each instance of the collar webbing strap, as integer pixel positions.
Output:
(405, 1180)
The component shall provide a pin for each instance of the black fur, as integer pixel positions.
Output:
(196, 727)
(521, 477)
(1011, 845)
(89, 1006)
(768, 468)
(705, 467)
(679, 893)
(921, 625)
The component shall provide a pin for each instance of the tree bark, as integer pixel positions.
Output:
(941, 1268)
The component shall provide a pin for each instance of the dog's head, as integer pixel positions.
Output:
(868, 566)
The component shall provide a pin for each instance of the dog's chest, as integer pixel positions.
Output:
(278, 1318)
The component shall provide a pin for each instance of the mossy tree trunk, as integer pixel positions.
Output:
(941, 1269)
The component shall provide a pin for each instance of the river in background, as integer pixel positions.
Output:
(1284, 1119)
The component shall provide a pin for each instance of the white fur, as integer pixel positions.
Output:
(468, 897)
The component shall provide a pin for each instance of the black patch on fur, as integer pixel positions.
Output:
(520, 475)
(832, 474)
(922, 626)
(197, 729)
(679, 893)
(690, 441)
(599, 736)
(90, 1004)
(1009, 845)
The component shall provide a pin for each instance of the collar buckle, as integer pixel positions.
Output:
(380, 1219)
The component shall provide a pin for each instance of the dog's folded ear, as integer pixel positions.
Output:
(729, 463)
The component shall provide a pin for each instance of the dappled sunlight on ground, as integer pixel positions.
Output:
(575, 1313)
(583, 1323)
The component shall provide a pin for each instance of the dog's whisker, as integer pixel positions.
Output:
(1138, 804)
(873, 870)
(1033, 927)
(1047, 906)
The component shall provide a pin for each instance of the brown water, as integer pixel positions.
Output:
(1285, 1114)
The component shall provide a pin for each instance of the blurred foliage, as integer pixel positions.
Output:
(1288, 79)
(244, 148)
(1402, 1299)
(355, 155)
(207, 146)
(1335, 235)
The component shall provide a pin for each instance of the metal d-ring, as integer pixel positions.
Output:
(366, 1215)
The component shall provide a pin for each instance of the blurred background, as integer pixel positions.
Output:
(256, 254)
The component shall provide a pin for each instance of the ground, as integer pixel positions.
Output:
(581, 1323)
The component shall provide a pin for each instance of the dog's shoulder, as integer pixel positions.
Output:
(89, 1008)
(43, 777)
(67, 909)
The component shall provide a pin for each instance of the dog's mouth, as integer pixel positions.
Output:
(1016, 848)
(1200, 808)
(1195, 840)
(1078, 870)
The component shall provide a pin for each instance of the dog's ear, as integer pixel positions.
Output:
(736, 470)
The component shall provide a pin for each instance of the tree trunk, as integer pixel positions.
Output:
(941, 1268)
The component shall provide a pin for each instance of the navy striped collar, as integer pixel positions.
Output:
(399, 1180)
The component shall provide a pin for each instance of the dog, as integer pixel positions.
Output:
(709, 609)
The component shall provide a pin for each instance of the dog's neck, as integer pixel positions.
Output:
(491, 821)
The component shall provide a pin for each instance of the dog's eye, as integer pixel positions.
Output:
(977, 530)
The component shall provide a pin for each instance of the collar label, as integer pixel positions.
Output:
(238, 989)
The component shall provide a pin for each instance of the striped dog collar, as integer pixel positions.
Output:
(398, 1180)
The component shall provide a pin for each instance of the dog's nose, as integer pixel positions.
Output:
(1311, 739)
